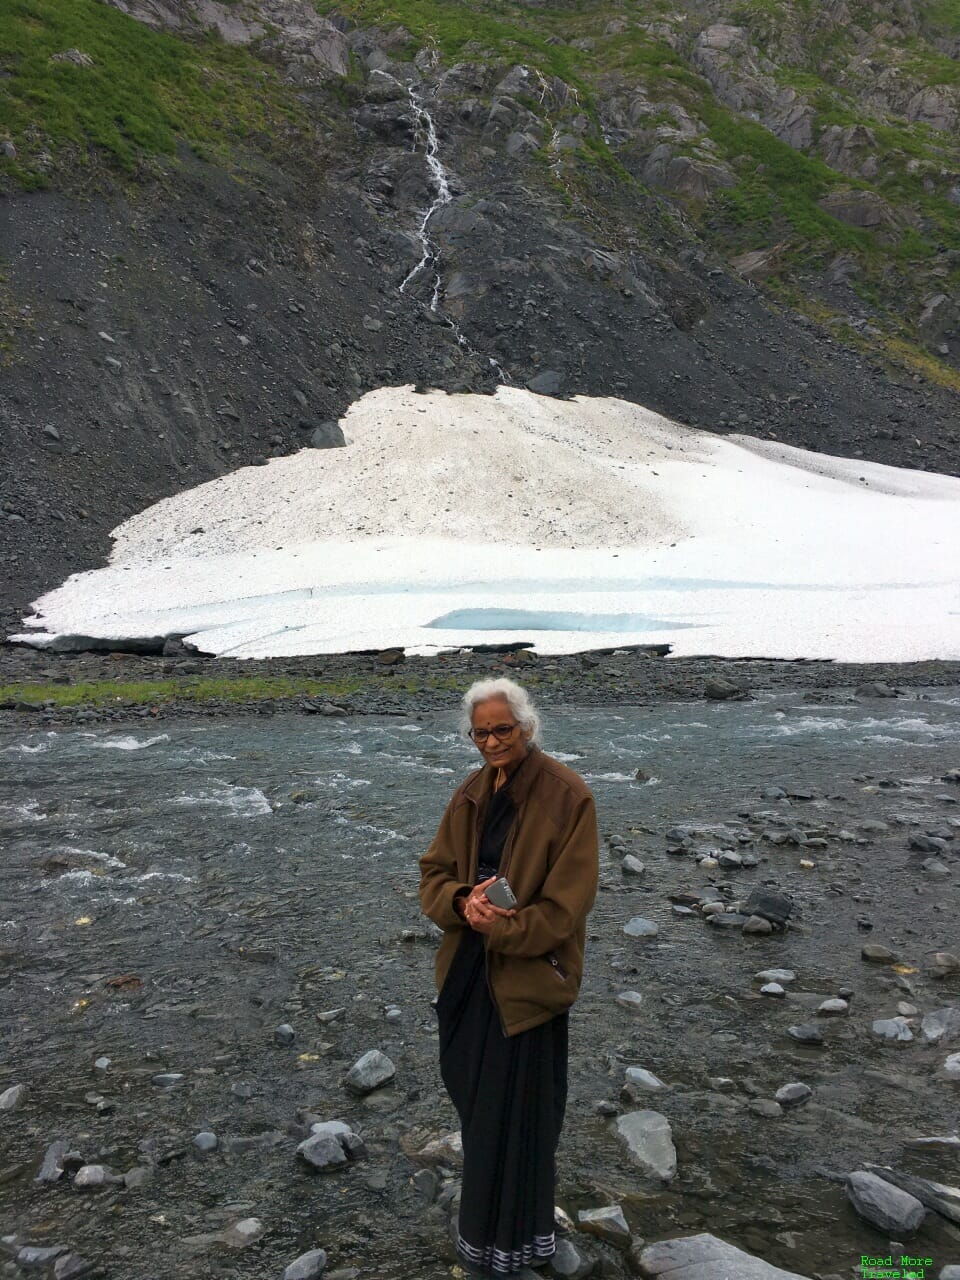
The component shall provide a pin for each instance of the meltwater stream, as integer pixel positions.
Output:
(171, 893)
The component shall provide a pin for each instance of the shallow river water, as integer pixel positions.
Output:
(169, 894)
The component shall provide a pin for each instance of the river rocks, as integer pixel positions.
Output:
(933, 1195)
(39, 1256)
(773, 990)
(705, 1257)
(775, 975)
(951, 1067)
(51, 1168)
(330, 1145)
(11, 1098)
(884, 1206)
(94, 1175)
(806, 1033)
(649, 1142)
(239, 1235)
(632, 866)
(941, 1024)
(722, 689)
(873, 953)
(167, 1079)
(894, 1029)
(794, 1094)
(206, 1141)
(640, 1078)
(757, 925)
(607, 1223)
(568, 1263)
(834, 1008)
(284, 1035)
(631, 1000)
(307, 1267)
(371, 1071)
(775, 907)
(765, 1107)
(640, 927)
(943, 964)
(876, 689)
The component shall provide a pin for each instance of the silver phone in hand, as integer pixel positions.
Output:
(500, 894)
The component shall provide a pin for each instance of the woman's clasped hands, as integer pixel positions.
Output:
(479, 912)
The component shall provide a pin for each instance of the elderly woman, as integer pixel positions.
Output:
(507, 975)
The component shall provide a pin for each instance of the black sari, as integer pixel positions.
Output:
(510, 1093)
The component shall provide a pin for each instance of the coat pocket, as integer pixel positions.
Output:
(554, 961)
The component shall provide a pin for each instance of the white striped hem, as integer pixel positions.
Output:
(504, 1261)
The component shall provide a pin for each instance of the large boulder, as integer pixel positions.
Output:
(884, 1206)
(649, 1142)
(705, 1257)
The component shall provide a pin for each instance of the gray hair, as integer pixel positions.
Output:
(516, 698)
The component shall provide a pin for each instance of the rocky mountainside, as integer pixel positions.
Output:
(213, 230)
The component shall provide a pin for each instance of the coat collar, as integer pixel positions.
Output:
(479, 788)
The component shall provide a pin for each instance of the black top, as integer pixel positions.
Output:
(500, 814)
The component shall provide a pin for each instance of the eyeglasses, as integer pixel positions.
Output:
(499, 731)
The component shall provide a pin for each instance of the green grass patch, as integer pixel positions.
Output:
(200, 689)
(944, 14)
(143, 91)
(787, 188)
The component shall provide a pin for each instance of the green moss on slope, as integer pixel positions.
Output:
(142, 91)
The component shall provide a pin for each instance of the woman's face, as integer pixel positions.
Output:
(504, 752)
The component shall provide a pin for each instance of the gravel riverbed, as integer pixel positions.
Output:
(177, 891)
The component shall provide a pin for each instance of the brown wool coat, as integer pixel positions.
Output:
(535, 958)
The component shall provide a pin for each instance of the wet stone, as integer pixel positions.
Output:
(649, 1142)
(71, 1267)
(702, 1256)
(640, 927)
(137, 1177)
(765, 1107)
(607, 1223)
(51, 1169)
(632, 866)
(876, 954)
(806, 1033)
(167, 1079)
(727, 920)
(951, 1067)
(773, 989)
(834, 1008)
(93, 1175)
(943, 964)
(568, 1263)
(895, 1029)
(884, 1206)
(775, 975)
(941, 1024)
(643, 1079)
(794, 1094)
(35, 1256)
(757, 925)
(307, 1267)
(632, 1000)
(11, 1098)
(206, 1141)
(322, 1151)
(371, 1071)
(284, 1035)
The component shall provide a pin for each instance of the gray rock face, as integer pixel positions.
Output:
(649, 1142)
(883, 1205)
(705, 1257)
(608, 1223)
(369, 1072)
(307, 1267)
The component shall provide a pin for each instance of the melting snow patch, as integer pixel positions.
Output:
(601, 524)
